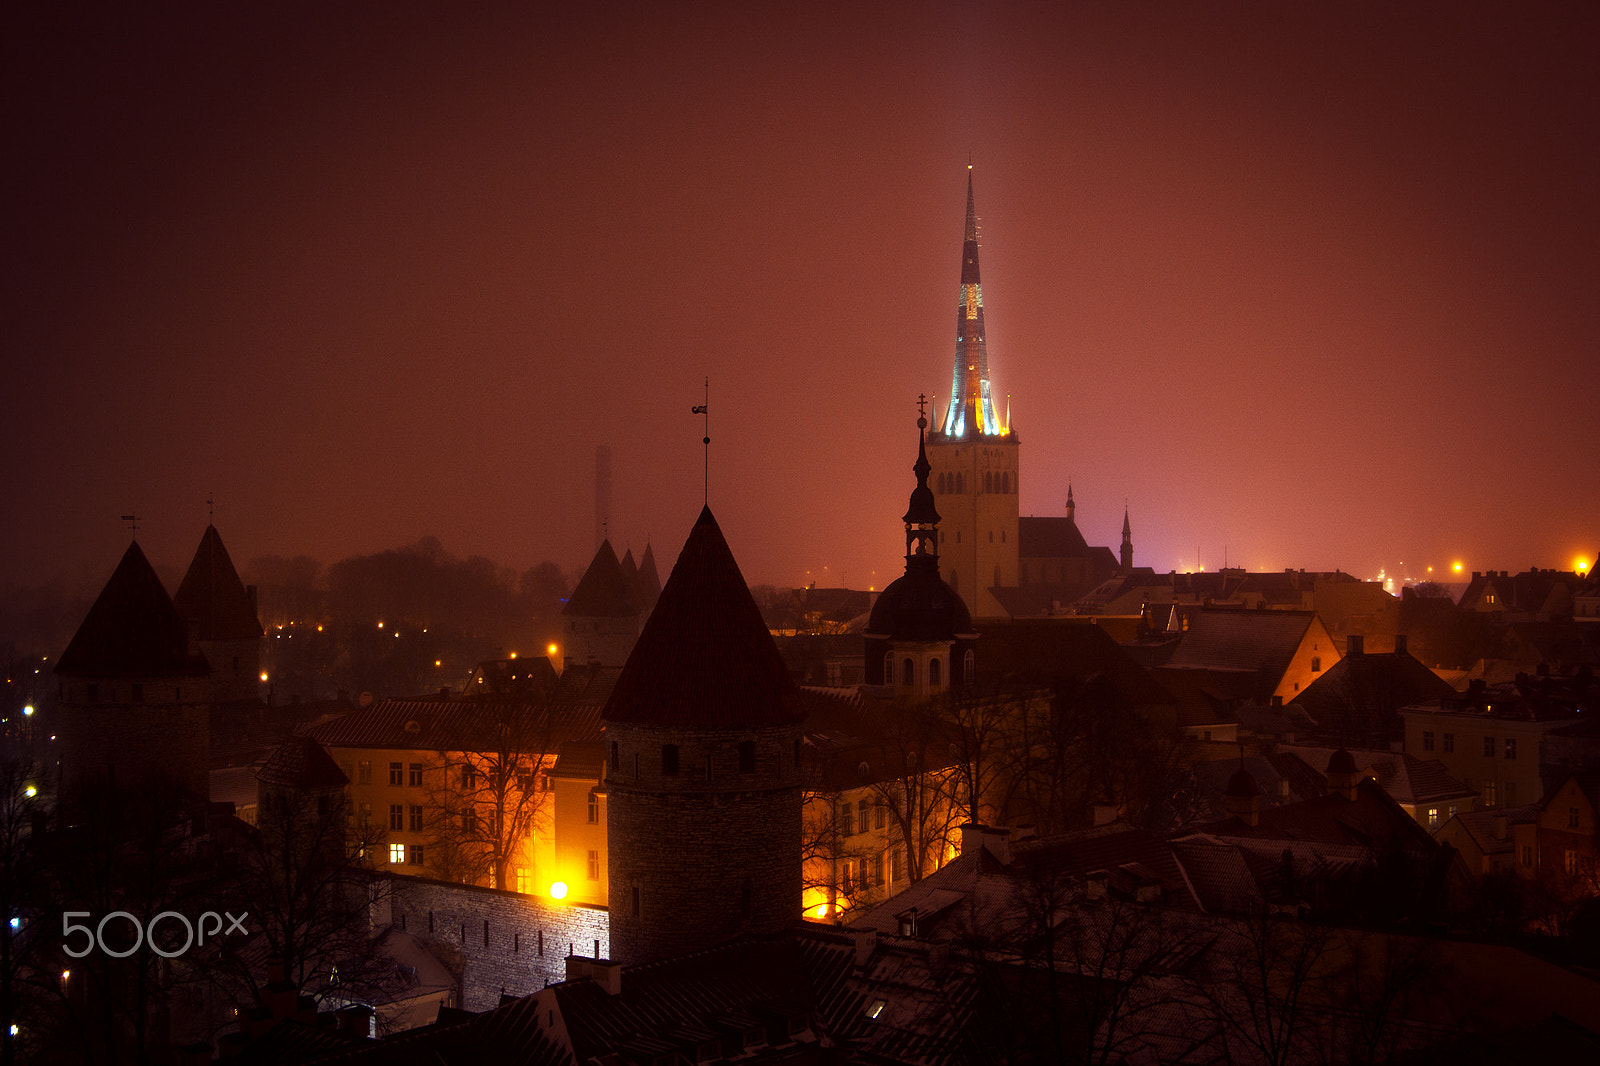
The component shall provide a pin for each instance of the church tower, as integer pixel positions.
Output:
(1126, 558)
(702, 768)
(975, 456)
(919, 637)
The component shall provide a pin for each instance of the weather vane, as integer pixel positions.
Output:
(704, 410)
(133, 523)
(211, 508)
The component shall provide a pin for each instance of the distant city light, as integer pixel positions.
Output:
(263, 677)
(438, 662)
(558, 890)
(513, 655)
(551, 650)
(31, 791)
(1582, 565)
(1456, 568)
(380, 625)
(28, 710)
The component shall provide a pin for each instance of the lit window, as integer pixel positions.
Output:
(1433, 817)
(397, 816)
(876, 1008)
(522, 879)
(1488, 793)
(1572, 861)
(397, 854)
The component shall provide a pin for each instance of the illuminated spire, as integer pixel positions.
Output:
(971, 411)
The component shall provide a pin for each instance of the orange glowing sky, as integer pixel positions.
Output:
(1308, 285)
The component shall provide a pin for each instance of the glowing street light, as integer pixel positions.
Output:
(558, 890)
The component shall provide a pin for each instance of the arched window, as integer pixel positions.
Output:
(969, 663)
(1005, 482)
(961, 483)
(933, 673)
(908, 673)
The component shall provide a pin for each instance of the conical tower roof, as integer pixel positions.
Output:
(705, 658)
(133, 630)
(649, 584)
(603, 591)
(212, 594)
(301, 762)
(630, 569)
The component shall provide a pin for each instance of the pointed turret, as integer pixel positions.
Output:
(601, 619)
(132, 631)
(223, 610)
(1127, 542)
(1072, 508)
(971, 411)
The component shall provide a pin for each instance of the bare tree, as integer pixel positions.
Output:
(489, 798)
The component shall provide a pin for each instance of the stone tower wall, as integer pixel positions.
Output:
(702, 855)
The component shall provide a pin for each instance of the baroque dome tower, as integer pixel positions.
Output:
(919, 637)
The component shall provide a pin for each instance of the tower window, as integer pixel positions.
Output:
(669, 758)
(747, 756)
(933, 673)
(968, 664)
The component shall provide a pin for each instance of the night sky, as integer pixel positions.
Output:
(1312, 288)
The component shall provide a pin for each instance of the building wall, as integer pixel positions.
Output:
(1315, 655)
(1458, 741)
(576, 837)
(503, 943)
(977, 526)
(372, 795)
(127, 741)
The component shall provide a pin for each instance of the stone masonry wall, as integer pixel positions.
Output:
(506, 943)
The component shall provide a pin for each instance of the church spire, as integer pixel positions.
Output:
(921, 517)
(971, 411)
(1127, 542)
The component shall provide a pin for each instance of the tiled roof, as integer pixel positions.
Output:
(301, 762)
(132, 630)
(1406, 778)
(604, 591)
(705, 658)
(457, 725)
(1358, 698)
(212, 594)
(1039, 652)
(1480, 825)
(1052, 537)
(1262, 641)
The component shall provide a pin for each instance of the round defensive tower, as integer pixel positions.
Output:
(702, 768)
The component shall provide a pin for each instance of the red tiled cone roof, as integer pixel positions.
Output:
(212, 594)
(132, 630)
(705, 658)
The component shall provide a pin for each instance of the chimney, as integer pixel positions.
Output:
(608, 975)
(994, 839)
(1354, 644)
(866, 944)
(1400, 644)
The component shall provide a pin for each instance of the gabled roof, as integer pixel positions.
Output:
(1040, 652)
(212, 594)
(301, 762)
(705, 658)
(604, 591)
(1054, 537)
(132, 630)
(1360, 696)
(1263, 642)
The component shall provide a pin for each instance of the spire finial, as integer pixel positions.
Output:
(133, 523)
(211, 508)
(704, 410)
